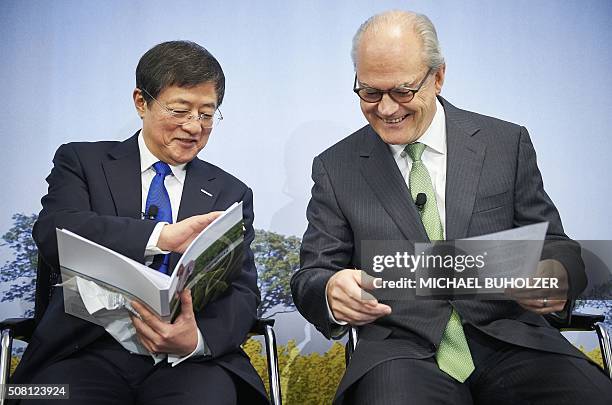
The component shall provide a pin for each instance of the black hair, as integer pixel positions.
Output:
(178, 63)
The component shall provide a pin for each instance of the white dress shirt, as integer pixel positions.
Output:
(434, 158)
(174, 185)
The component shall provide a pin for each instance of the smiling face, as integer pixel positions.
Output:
(388, 58)
(169, 142)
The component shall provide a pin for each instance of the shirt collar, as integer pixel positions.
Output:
(434, 136)
(147, 159)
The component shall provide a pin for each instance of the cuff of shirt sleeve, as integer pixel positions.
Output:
(152, 249)
(200, 350)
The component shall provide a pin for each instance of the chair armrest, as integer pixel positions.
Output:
(580, 321)
(568, 319)
(21, 328)
(575, 321)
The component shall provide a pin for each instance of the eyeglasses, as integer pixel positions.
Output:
(399, 94)
(182, 117)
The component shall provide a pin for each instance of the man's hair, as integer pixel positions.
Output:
(178, 63)
(419, 23)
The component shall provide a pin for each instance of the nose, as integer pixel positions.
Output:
(193, 127)
(387, 106)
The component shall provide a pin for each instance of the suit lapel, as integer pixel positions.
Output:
(200, 191)
(384, 178)
(194, 201)
(465, 156)
(123, 178)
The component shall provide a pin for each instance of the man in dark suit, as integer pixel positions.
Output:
(100, 190)
(479, 175)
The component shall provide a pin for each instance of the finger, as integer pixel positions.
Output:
(537, 308)
(144, 330)
(144, 315)
(346, 283)
(349, 293)
(556, 305)
(148, 317)
(559, 294)
(186, 304)
(355, 317)
(543, 311)
(359, 318)
(341, 298)
(543, 306)
(214, 215)
(372, 307)
(138, 307)
(531, 302)
(344, 291)
(143, 310)
(540, 302)
(356, 306)
(146, 343)
(362, 300)
(202, 221)
(536, 303)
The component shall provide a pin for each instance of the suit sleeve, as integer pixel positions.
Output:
(532, 205)
(67, 205)
(225, 322)
(327, 247)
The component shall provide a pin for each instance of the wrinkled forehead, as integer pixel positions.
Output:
(203, 94)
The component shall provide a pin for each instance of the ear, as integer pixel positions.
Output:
(440, 79)
(139, 102)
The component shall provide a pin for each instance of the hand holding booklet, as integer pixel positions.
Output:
(99, 283)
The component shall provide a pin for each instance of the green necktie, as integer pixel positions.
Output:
(453, 355)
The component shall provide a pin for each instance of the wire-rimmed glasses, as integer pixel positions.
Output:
(182, 117)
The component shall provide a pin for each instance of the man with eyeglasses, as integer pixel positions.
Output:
(424, 170)
(147, 198)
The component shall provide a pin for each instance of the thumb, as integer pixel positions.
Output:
(186, 303)
(365, 280)
(204, 220)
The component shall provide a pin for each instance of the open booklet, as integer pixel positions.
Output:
(499, 261)
(208, 266)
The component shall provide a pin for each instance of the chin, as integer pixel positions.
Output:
(181, 159)
(187, 159)
(186, 155)
(396, 137)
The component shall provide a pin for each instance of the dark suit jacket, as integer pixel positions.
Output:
(492, 184)
(94, 191)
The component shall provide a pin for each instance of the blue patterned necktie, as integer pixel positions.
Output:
(158, 196)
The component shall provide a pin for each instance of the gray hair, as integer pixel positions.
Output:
(419, 23)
